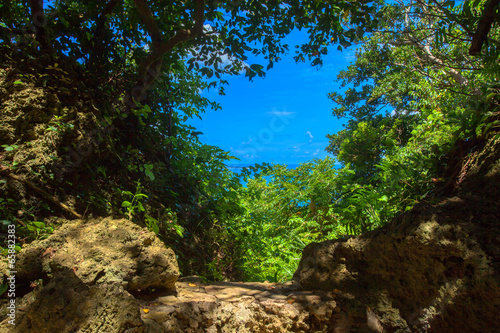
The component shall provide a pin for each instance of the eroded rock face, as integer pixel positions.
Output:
(67, 304)
(104, 251)
(435, 269)
(90, 267)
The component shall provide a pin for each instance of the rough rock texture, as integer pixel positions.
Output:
(88, 268)
(58, 137)
(243, 307)
(436, 269)
(103, 251)
(67, 304)
(28, 109)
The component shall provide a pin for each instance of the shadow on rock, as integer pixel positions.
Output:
(67, 304)
(435, 269)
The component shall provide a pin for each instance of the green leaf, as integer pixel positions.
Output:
(383, 198)
(3, 288)
(39, 225)
(149, 174)
(9, 148)
(179, 230)
(126, 204)
(316, 62)
(52, 128)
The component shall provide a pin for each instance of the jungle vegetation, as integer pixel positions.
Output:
(424, 82)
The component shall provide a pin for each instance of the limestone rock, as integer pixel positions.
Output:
(90, 267)
(67, 304)
(434, 269)
(243, 307)
(102, 251)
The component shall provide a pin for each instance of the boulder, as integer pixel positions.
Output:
(102, 251)
(66, 304)
(83, 277)
(434, 269)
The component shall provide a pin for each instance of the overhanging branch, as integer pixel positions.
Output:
(148, 19)
(484, 26)
(38, 21)
(150, 68)
(98, 37)
(49, 197)
(101, 20)
(148, 74)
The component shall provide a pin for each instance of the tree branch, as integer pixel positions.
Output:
(98, 32)
(46, 195)
(430, 57)
(451, 16)
(16, 31)
(484, 26)
(150, 68)
(101, 20)
(462, 80)
(38, 20)
(149, 21)
(147, 75)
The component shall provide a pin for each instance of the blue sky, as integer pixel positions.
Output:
(283, 118)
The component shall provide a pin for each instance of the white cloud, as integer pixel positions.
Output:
(349, 54)
(281, 113)
(405, 112)
(311, 137)
(225, 59)
(247, 142)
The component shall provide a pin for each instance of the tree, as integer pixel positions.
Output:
(414, 62)
(124, 47)
(411, 94)
(105, 36)
(143, 64)
(283, 210)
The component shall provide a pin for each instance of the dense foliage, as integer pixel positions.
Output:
(140, 66)
(411, 97)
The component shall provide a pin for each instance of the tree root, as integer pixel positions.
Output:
(44, 194)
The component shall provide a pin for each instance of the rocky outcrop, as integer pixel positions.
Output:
(90, 270)
(435, 269)
(102, 251)
(66, 304)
